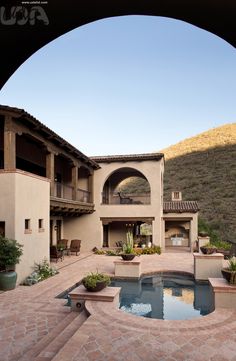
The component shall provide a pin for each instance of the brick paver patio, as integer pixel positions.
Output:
(35, 326)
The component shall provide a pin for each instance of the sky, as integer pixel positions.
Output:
(132, 84)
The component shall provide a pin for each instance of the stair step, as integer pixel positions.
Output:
(47, 339)
(71, 347)
(48, 353)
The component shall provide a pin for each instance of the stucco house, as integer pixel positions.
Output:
(50, 190)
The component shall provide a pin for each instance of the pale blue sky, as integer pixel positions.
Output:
(129, 84)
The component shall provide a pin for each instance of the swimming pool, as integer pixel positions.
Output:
(166, 297)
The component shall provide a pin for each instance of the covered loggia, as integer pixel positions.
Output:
(126, 186)
(115, 230)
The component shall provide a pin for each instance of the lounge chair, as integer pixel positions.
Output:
(75, 246)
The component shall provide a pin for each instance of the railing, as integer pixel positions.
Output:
(62, 190)
(83, 196)
(65, 191)
(143, 198)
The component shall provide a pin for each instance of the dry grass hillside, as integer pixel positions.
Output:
(204, 169)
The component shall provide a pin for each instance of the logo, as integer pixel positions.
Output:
(20, 15)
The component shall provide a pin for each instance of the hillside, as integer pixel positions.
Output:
(204, 169)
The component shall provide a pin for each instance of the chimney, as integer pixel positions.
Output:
(176, 196)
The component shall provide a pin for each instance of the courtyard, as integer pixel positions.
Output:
(34, 325)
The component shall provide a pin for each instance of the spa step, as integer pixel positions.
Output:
(48, 353)
(47, 339)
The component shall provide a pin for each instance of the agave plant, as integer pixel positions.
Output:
(232, 264)
(128, 246)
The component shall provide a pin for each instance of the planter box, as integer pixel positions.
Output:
(224, 293)
(80, 295)
(207, 265)
(129, 269)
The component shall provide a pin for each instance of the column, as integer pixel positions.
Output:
(9, 144)
(74, 178)
(50, 171)
(91, 187)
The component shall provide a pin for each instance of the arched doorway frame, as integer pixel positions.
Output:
(20, 40)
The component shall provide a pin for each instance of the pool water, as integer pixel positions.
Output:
(165, 297)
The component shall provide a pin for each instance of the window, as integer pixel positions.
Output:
(176, 196)
(41, 229)
(27, 226)
(27, 223)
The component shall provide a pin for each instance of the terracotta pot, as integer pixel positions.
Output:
(206, 250)
(230, 276)
(128, 257)
(99, 286)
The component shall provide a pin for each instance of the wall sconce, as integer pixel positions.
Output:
(55, 228)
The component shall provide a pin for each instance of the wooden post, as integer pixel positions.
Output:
(91, 187)
(9, 144)
(74, 182)
(50, 171)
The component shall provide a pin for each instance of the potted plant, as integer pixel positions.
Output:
(128, 251)
(229, 273)
(95, 281)
(208, 248)
(10, 253)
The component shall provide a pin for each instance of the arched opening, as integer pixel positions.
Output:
(53, 21)
(126, 186)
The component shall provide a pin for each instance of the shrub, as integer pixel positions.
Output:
(99, 251)
(10, 253)
(204, 227)
(92, 278)
(42, 271)
(152, 250)
(222, 245)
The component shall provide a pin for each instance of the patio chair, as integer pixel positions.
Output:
(75, 246)
(62, 243)
(55, 253)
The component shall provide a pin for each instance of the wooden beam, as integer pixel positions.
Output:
(9, 144)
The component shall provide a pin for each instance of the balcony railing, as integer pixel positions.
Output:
(62, 190)
(83, 196)
(143, 198)
(65, 191)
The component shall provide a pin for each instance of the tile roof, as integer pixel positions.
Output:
(127, 157)
(180, 207)
(22, 114)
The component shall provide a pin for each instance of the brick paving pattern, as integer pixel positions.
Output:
(35, 326)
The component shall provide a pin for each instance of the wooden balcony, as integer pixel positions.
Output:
(63, 204)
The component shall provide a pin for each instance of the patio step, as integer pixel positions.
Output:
(71, 347)
(48, 352)
(47, 339)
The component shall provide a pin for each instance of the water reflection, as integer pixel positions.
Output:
(165, 297)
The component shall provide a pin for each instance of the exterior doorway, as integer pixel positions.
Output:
(58, 229)
(51, 232)
(2, 229)
(105, 235)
